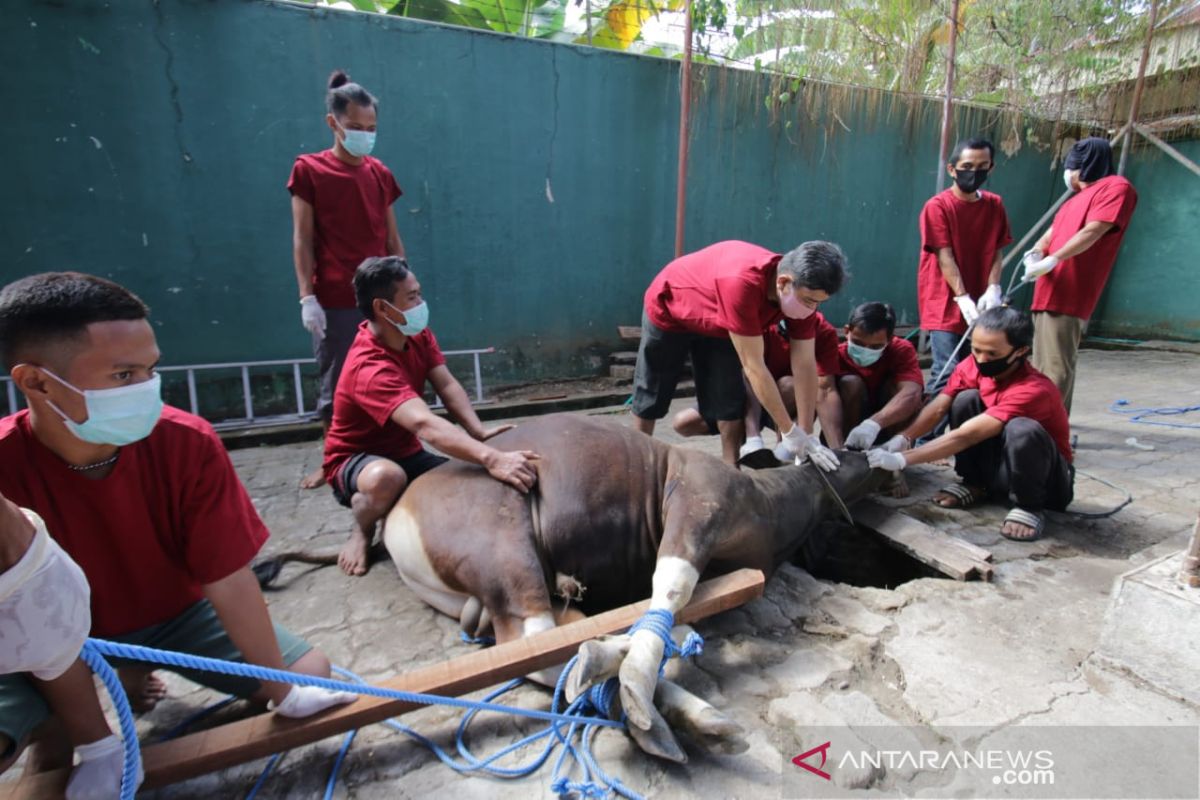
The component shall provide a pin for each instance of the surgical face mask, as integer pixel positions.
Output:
(358, 143)
(863, 356)
(969, 180)
(1067, 173)
(417, 316)
(990, 369)
(118, 416)
(793, 307)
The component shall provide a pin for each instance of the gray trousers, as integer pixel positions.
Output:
(1056, 340)
(341, 326)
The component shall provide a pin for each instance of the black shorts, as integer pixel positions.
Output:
(764, 422)
(345, 480)
(720, 392)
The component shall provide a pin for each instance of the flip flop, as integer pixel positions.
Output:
(1030, 519)
(965, 496)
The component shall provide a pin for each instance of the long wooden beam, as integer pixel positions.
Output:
(260, 736)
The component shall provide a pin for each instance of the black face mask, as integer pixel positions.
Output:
(990, 369)
(969, 180)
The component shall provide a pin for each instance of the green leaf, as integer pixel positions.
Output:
(441, 11)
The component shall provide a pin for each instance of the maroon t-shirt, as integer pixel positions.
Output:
(375, 381)
(1074, 286)
(897, 364)
(975, 232)
(777, 350)
(1025, 393)
(350, 218)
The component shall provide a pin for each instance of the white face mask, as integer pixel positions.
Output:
(358, 143)
(117, 416)
(1067, 173)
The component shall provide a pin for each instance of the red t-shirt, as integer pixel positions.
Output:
(777, 350)
(975, 232)
(719, 290)
(1026, 393)
(1074, 286)
(897, 364)
(375, 381)
(171, 517)
(350, 219)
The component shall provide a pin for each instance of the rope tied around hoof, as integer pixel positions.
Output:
(659, 621)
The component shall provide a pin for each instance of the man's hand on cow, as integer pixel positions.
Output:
(882, 459)
(821, 455)
(862, 436)
(515, 467)
(897, 444)
(487, 433)
(791, 444)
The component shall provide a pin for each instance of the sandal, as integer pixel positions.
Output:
(1030, 519)
(961, 495)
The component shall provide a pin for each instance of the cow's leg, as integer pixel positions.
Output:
(699, 720)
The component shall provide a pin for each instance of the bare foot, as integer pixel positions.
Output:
(353, 557)
(143, 688)
(314, 479)
(947, 499)
(1018, 532)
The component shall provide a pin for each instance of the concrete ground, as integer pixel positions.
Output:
(931, 652)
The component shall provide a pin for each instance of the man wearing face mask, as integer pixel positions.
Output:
(879, 379)
(963, 230)
(341, 213)
(714, 305)
(1082, 244)
(142, 496)
(1009, 433)
(374, 448)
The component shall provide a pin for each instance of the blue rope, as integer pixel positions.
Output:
(486, 641)
(192, 719)
(132, 764)
(258, 784)
(659, 621)
(1139, 414)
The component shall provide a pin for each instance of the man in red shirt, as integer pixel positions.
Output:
(341, 213)
(714, 304)
(963, 230)
(373, 450)
(1009, 433)
(142, 496)
(1082, 242)
(879, 380)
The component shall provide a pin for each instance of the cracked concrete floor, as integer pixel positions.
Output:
(931, 652)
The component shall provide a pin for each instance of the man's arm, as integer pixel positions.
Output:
(829, 410)
(972, 432)
(804, 381)
(302, 245)
(754, 367)
(903, 404)
(927, 420)
(1044, 241)
(515, 468)
(458, 404)
(997, 270)
(950, 273)
(395, 247)
(239, 604)
(1087, 236)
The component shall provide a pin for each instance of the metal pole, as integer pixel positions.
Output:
(685, 107)
(299, 384)
(1166, 148)
(588, 18)
(1138, 87)
(947, 102)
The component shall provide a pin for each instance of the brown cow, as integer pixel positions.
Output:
(616, 516)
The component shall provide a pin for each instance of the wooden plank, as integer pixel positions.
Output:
(630, 332)
(260, 736)
(951, 556)
(623, 357)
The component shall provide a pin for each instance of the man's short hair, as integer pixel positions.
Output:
(52, 310)
(376, 279)
(872, 317)
(1015, 324)
(974, 143)
(820, 266)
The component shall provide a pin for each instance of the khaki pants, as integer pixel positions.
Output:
(1055, 349)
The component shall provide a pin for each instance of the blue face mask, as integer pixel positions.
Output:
(417, 319)
(118, 416)
(863, 356)
(358, 143)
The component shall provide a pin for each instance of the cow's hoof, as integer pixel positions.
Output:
(599, 660)
(698, 720)
(657, 739)
(636, 699)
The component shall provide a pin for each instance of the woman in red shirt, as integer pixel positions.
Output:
(341, 214)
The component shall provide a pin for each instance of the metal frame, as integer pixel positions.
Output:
(247, 399)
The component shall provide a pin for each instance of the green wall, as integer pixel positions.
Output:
(151, 141)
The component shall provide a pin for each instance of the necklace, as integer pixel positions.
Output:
(97, 465)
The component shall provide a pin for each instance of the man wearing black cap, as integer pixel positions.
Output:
(1073, 259)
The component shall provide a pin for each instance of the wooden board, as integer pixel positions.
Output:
(260, 736)
(951, 556)
(630, 332)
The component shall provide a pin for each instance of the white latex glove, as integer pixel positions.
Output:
(966, 307)
(882, 459)
(821, 455)
(897, 444)
(753, 445)
(991, 298)
(1037, 269)
(98, 776)
(304, 701)
(862, 435)
(1032, 256)
(312, 316)
(791, 445)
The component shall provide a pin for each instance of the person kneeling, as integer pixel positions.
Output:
(1009, 432)
(879, 379)
(373, 450)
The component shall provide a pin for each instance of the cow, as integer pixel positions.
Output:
(616, 515)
